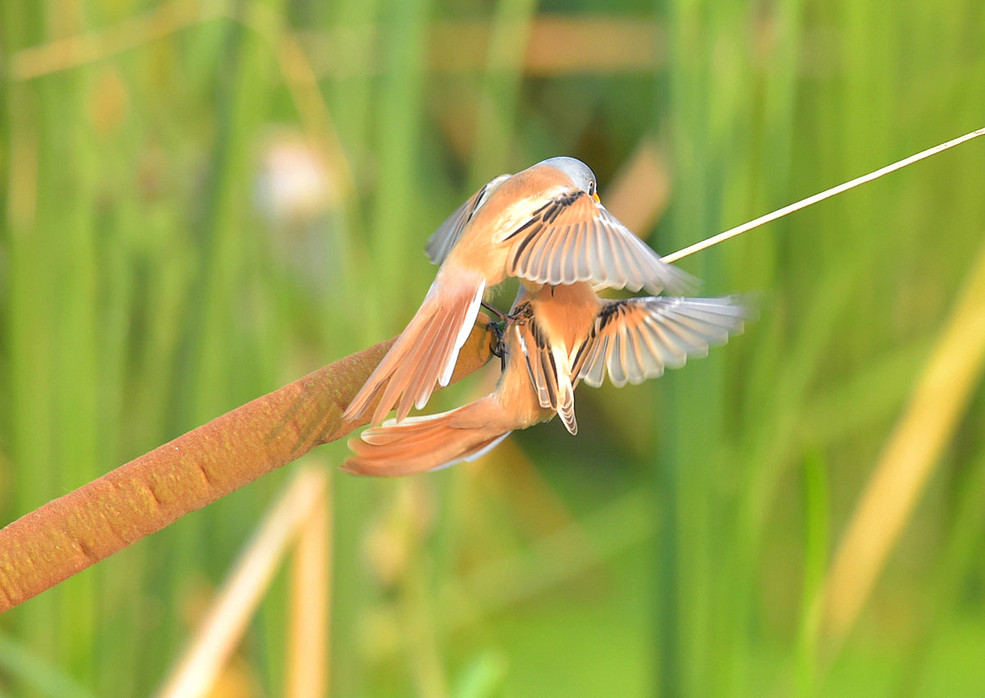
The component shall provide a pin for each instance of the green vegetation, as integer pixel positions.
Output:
(159, 266)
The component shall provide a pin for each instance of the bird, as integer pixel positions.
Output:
(544, 225)
(555, 336)
(579, 336)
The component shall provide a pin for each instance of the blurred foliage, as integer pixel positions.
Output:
(203, 201)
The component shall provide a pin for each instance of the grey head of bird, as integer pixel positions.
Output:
(579, 173)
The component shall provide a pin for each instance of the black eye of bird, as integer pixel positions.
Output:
(591, 188)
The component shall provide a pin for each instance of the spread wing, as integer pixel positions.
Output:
(447, 234)
(637, 338)
(425, 352)
(574, 238)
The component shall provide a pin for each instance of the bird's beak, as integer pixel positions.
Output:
(596, 197)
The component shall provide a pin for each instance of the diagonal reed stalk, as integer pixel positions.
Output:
(821, 196)
(70, 533)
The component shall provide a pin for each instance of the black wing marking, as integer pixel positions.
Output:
(573, 238)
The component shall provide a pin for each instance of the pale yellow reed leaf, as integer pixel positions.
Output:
(226, 621)
(908, 459)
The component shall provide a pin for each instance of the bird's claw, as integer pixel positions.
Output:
(497, 347)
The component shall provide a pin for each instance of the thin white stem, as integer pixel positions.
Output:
(828, 193)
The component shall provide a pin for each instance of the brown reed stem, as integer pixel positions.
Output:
(70, 533)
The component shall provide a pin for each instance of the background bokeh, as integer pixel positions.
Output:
(202, 201)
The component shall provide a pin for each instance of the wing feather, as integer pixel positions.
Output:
(669, 353)
(616, 362)
(444, 238)
(547, 367)
(595, 247)
(637, 338)
(425, 352)
(577, 264)
(533, 357)
(593, 372)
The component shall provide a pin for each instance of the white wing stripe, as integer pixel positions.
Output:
(463, 333)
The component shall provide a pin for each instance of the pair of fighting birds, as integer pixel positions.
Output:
(545, 226)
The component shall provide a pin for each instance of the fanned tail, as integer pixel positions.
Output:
(425, 353)
(419, 444)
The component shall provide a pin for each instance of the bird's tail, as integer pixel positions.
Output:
(418, 444)
(426, 351)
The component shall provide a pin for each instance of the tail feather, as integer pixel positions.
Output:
(386, 433)
(419, 444)
(425, 353)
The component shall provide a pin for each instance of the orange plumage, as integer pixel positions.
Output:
(555, 337)
(544, 225)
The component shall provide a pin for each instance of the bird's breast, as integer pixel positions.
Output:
(566, 314)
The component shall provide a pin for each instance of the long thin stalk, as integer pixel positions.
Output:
(820, 196)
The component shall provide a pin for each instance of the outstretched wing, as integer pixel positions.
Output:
(574, 238)
(425, 352)
(637, 338)
(444, 238)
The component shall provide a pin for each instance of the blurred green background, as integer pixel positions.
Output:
(204, 201)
